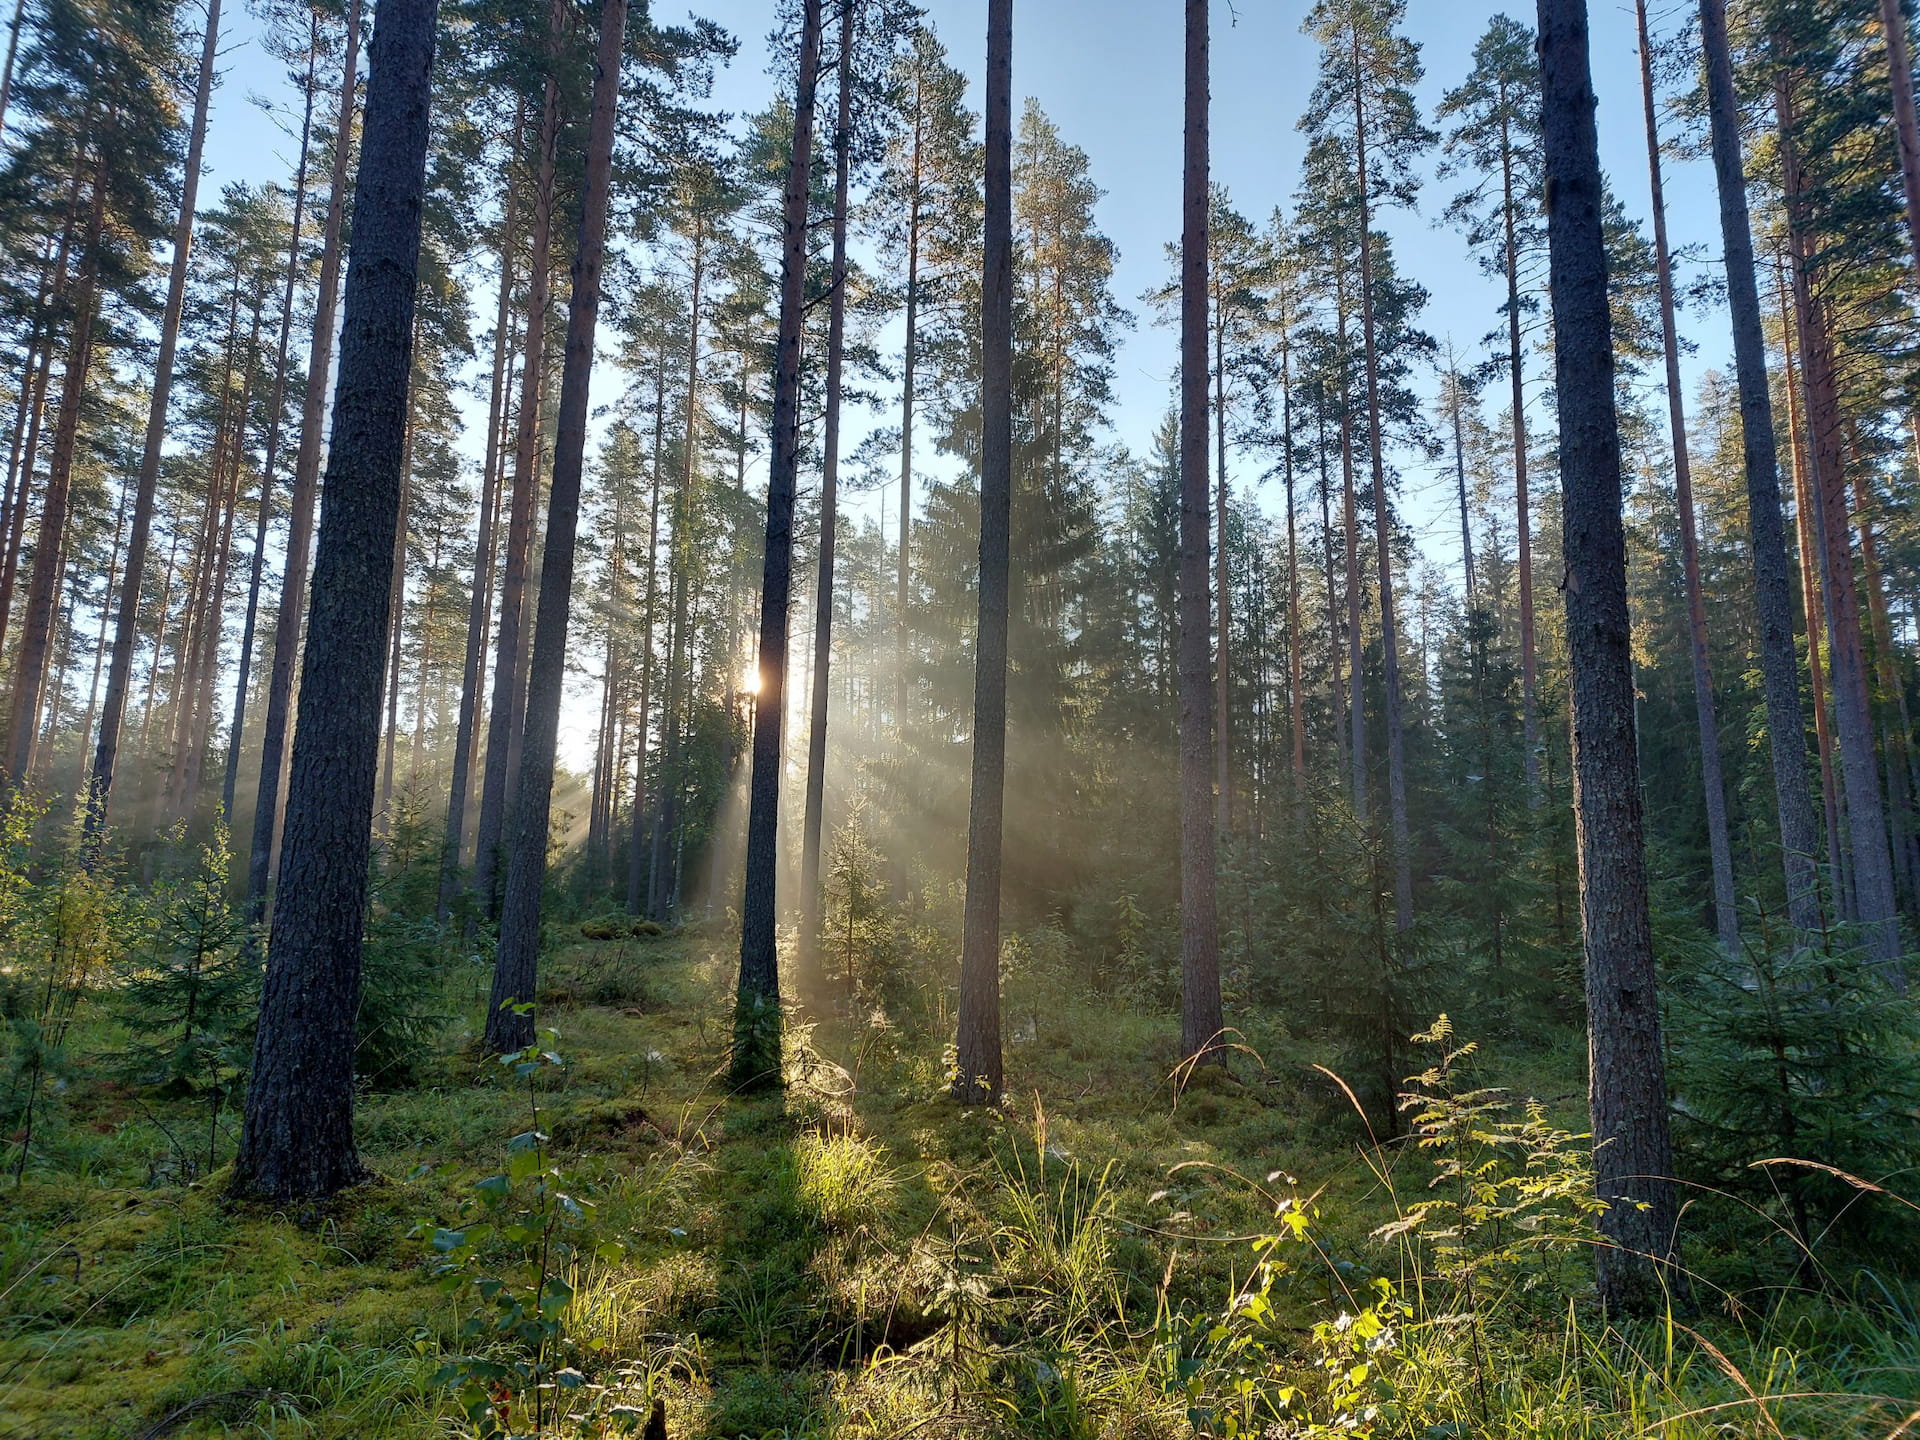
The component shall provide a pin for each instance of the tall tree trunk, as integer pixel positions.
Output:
(36, 627)
(1633, 1157)
(1460, 476)
(6, 68)
(814, 819)
(396, 628)
(1726, 905)
(909, 367)
(300, 506)
(1336, 685)
(297, 1140)
(637, 867)
(100, 640)
(1222, 601)
(1200, 1011)
(1905, 128)
(127, 624)
(1356, 673)
(755, 1061)
(977, 1073)
(1296, 696)
(1522, 501)
(507, 711)
(509, 1020)
(270, 463)
(1383, 533)
(1872, 861)
(480, 602)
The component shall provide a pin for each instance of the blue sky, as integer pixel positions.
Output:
(1108, 72)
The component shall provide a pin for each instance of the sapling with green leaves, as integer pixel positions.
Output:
(519, 1376)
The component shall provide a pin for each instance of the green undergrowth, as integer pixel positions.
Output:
(564, 1243)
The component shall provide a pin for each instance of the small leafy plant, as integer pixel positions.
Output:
(530, 1233)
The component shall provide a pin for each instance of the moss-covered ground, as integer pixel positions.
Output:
(860, 1257)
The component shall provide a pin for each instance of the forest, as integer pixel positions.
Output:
(653, 785)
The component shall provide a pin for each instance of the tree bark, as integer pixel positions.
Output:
(507, 711)
(297, 1140)
(1773, 590)
(1872, 861)
(1906, 130)
(637, 867)
(480, 601)
(1633, 1159)
(509, 1018)
(1200, 1010)
(755, 1061)
(300, 508)
(36, 627)
(1522, 501)
(814, 820)
(1383, 534)
(1726, 905)
(275, 418)
(127, 623)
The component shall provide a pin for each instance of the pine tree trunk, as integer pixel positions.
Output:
(1296, 696)
(36, 628)
(396, 629)
(814, 818)
(1813, 608)
(1633, 1159)
(509, 1021)
(480, 601)
(1200, 1012)
(755, 1061)
(1773, 597)
(637, 867)
(6, 68)
(1383, 536)
(1356, 673)
(297, 1140)
(1905, 128)
(1222, 604)
(1522, 501)
(909, 365)
(977, 1073)
(1726, 907)
(506, 713)
(301, 503)
(127, 624)
(1460, 476)
(1872, 861)
(277, 408)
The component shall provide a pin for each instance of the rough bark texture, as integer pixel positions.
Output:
(756, 1022)
(509, 1021)
(814, 819)
(977, 1074)
(306, 489)
(1773, 590)
(1906, 129)
(1633, 1160)
(1200, 1017)
(127, 623)
(1726, 908)
(297, 1141)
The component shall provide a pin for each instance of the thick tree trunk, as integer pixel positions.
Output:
(1383, 536)
(977, 1074)
(1633, 1158)
(1200, 1011)
(757, 1026)
(509, 1016)
(127, 623)
(1726, 906)
(507, 711)
(297, 1141)
(249, 631)
(814, 819)
(300, 506)
(1872, 861)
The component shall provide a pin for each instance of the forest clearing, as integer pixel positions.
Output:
(853, 718)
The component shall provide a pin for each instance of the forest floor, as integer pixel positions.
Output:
(865, 1259)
